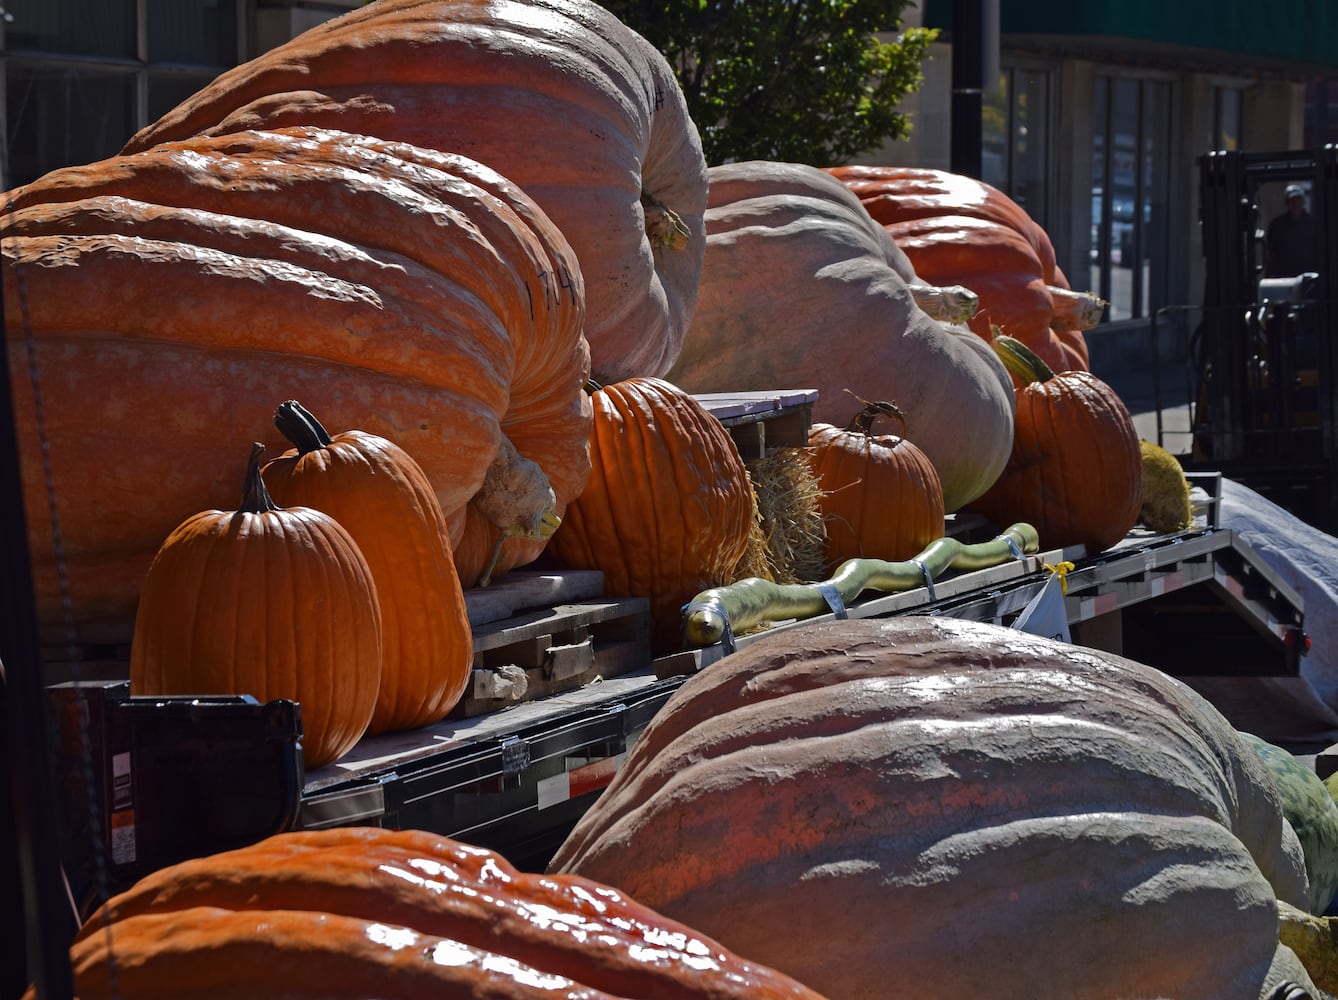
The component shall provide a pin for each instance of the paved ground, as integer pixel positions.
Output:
(1159, 403)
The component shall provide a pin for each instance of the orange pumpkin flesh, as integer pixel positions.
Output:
(376, 491)
(669, 504)
(270, 602)
(563, 99)
(363, 911)
(881, 497)
(415, 295)
(960, 230)
(1076, 470)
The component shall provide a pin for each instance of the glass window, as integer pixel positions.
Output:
(1226, 119)
(1015, 141)
(1150, 287)
(1130, 194)
(167, 90)
(1031, 143)
(196, 32)
(59, 115)
(72, 27)
(83, 76)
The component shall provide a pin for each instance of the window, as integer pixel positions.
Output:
(81, 78)
(1227, 119)
(1321, 112)
(1131, 122)
(1015, 146)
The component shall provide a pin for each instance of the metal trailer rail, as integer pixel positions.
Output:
(1197, 602)
(516, 779)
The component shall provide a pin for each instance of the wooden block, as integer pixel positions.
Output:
(550, 650)
(520, 590)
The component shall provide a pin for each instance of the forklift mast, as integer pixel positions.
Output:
(1263, 356)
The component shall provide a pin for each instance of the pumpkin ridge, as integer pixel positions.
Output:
(527, 56)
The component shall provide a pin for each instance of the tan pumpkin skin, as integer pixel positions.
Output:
(557, 95)
(668, 507)
(372, 912)
(877, 805)
(274, 603)
(881, 496)
(802, 289)
(173, 298)
(379, 494)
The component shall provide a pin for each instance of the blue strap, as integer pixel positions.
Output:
(727, 635)
(833, 598)
(1013, 548)
(929, 580)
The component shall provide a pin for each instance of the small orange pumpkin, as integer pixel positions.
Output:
(265, 601)
(881, 496)
(1076, 470)
(668, 508)
(383, 498)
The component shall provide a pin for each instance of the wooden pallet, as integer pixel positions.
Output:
(758, 421)
(545, 651)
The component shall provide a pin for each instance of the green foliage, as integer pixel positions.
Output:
(801, 81)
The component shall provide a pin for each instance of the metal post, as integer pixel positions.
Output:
(967, 86)
(42, 909)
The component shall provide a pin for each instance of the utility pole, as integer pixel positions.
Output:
(975, 48)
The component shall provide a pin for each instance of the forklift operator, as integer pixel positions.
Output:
(1291, 242)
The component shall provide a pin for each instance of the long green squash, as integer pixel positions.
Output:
(714, 613)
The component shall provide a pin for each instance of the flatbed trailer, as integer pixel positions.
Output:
(561, 692)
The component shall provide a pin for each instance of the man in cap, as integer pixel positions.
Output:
(1291, 242)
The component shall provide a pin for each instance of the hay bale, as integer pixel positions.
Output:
(789, 524)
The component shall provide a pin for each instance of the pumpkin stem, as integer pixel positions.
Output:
(664, 227)
(1020, 360)
(862, 422)
(255, 496)
(295, 422)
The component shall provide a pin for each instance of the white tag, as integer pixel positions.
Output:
(1045, 614)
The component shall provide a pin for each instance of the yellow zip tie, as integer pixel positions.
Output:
(1061, 570)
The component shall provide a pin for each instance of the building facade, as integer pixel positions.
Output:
(1099, 114)
(1094, 122)
(82, 76)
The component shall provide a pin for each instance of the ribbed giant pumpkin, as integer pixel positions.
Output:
(378, 493)
(880, 495)
(802, 289)
(669, 505)
(266, 601)
(961, 230)
(886, 807)
(364, 911)
(1076, 472)
(557, 95)
(171, 297)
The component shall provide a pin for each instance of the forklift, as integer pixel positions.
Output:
(1262, 358)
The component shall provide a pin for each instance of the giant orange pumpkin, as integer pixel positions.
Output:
(960, 230)
(362, 912)
(880, 495)
(270, 602)
(1076, 471)
(170, 298)
(669, 505)
(561, 97)
(378, 493)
